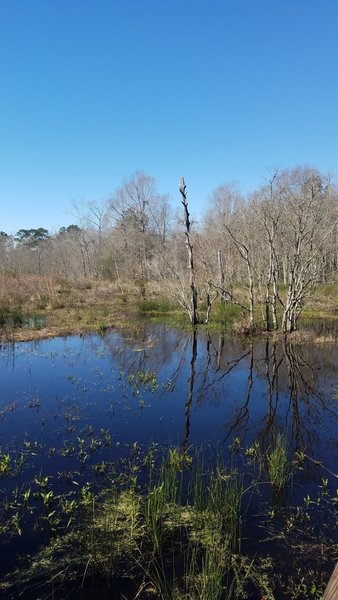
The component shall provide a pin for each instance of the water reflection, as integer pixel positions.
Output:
(209, 388)
(70, 408)
(191, 383)
(256, 388)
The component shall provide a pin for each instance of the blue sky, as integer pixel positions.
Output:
(217, 91)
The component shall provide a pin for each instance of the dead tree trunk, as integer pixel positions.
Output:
(194, 311)
(221, 273)
(210, 302)
(272, 279)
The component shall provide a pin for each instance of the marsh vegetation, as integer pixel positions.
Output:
(264, 254)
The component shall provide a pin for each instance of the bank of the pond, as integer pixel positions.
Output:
(44, 325)
(37, 308)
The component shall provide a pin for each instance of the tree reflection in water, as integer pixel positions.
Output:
(190, 388)
(259, 386)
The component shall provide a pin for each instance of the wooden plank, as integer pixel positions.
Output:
(331, 592)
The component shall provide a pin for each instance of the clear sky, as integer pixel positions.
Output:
(215, 90)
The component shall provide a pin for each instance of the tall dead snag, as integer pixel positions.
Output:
(193, 312)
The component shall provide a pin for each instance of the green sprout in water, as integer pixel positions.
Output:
(5, 464)
(278, 467)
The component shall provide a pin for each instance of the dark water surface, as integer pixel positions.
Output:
(52, 389)
(101, 394)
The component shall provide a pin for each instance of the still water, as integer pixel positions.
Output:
(96, 396)
(165, 386)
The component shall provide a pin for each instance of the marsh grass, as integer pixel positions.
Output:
(64, 306)
(193, 520)
(278, 466)
(11, 313)
(173, 521)
(195, 529)
(227, 313)
(152, 305)
(76, 306)
(155, 512)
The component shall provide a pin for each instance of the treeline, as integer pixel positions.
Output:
(277, 243)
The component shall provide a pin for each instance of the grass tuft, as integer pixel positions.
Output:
(278, 465)
(152, 305)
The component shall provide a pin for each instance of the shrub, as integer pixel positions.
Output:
(146, 306)
(10, 315)
(227, 313)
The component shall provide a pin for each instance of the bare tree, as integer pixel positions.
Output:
(307, 225)
(244, 252)
(141, 218)
(224, 203)
(193, 311)
(266, 206)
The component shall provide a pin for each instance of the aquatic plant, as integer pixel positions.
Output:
(5, 464)
(278, 465)
(169, 522)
